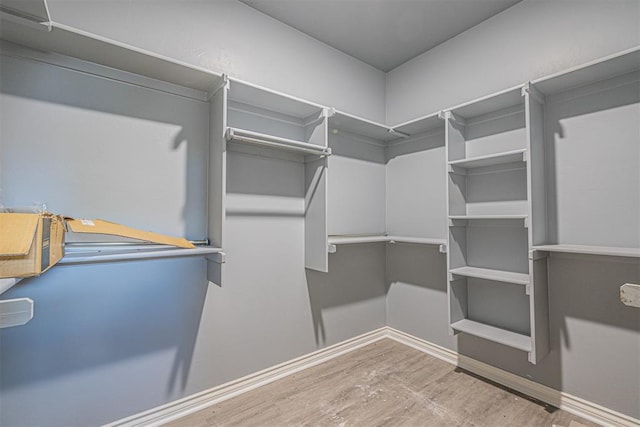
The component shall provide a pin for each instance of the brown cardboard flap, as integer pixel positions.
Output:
(16, 233)
(99, 226)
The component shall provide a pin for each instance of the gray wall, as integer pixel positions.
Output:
(229, 37)
(595, 340)
(532, 39)
(110, 340)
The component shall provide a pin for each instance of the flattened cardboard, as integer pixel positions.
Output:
(99, 226)
(30, 243)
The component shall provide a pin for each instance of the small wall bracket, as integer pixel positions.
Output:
(15, 312)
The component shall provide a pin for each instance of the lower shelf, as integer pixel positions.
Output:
(591, 250)
(489, 274)
(93, 254)
(346, 239)
(491, 333)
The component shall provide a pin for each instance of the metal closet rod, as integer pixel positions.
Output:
(241, 135)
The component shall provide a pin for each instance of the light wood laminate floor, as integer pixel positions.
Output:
(385, 383)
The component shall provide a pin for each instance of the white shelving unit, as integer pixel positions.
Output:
(593, 184)
(32, 39)
(494, 175)
(278, 146)
(372, 187)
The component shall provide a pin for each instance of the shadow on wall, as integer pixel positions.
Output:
(593, 198)
(134, 155)
(91, 316)
(350, 299)
(417, 292)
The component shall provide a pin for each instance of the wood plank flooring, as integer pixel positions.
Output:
(383, 384)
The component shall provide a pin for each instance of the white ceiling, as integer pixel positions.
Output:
(382, 33)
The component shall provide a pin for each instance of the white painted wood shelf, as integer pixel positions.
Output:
(353, 239)
(92, 254)
(75, 43)
(499, 335)
(590, 250)
(491, 274)
(487, 217)
(491, 159)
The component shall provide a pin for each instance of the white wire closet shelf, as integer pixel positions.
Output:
(505, 157)
(590, 250)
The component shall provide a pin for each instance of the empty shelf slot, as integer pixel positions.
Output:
(591, 250)
(270, 141)
(491, 333)
(491, 159)
(490, 274)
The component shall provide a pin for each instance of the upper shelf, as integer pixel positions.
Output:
(598, 70)
(424, 124)
(491, 103)
(344, 122)
(491, 159)
(590, 250)
(267, 99)
(34, 10)
(85, 46)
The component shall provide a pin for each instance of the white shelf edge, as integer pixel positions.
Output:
(93, 255)
(590, 250)
(469, 217)
(274, 142)
(278, 93)
(353, 239)
(491, 333)
(491, 274)
(468, 163)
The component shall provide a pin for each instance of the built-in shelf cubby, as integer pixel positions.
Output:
(276, 177)
(495, 170)
(377, 181)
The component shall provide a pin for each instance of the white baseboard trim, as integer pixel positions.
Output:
(196, 402)
(565, 401)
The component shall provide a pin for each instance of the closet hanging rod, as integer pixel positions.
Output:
(276, 142)
(83, 244)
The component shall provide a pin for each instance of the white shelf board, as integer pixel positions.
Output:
(491, 159)
(35, 10)
(92, 254)
(89, 47)
(490, 103)
(352, 239)
(468, 217)
(491, 333)
(356, 125)
(598, 70)
(490, 274)
(590, 250)
(423, 124)
(267, 99)
(418, 240)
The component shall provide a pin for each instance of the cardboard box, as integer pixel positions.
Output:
(30, 243)
(99, 226)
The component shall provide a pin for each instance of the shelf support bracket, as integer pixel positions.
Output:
(214, 89)
(450, 115)
(15, 312)
(214, 267)
(331, 248)
(442, 248)
(529, 89)
(397, 132)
